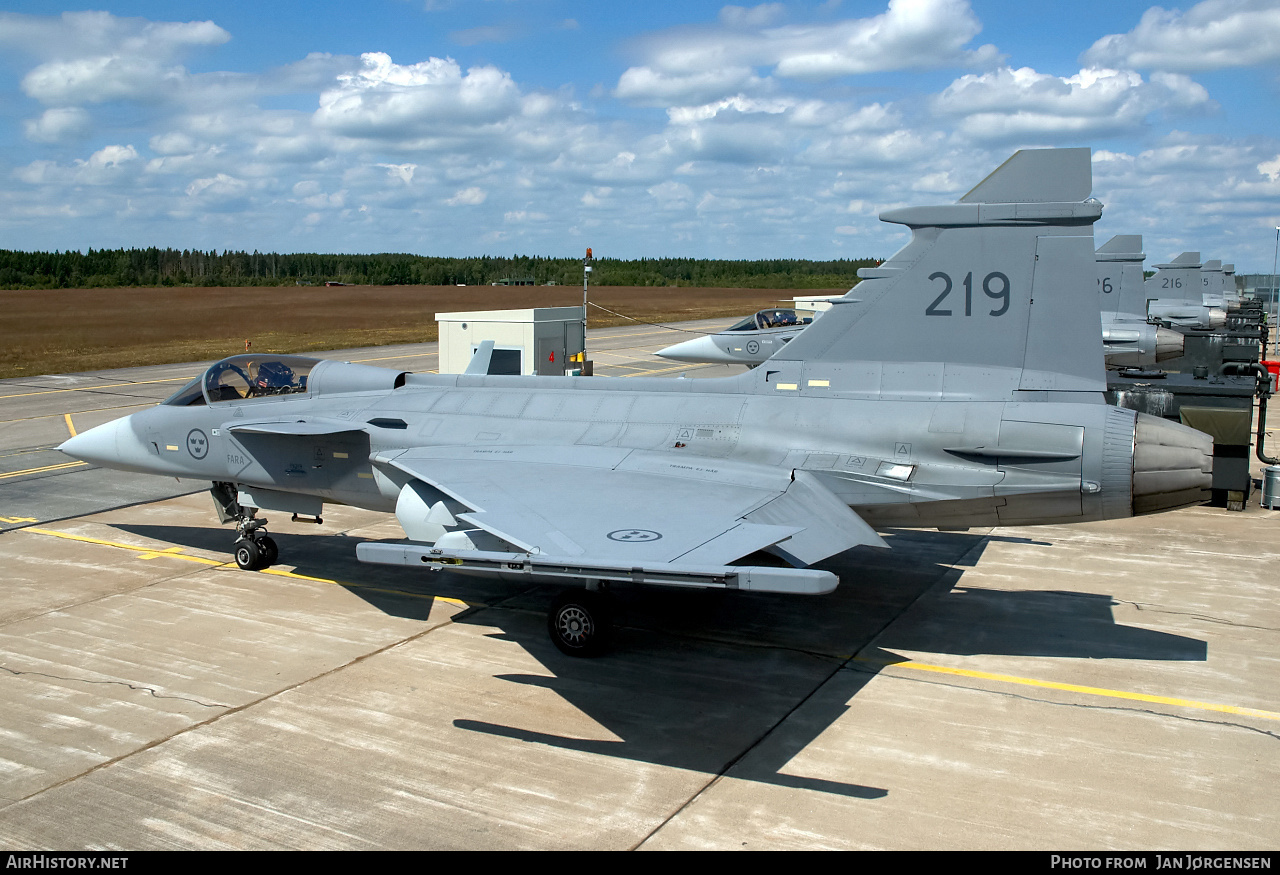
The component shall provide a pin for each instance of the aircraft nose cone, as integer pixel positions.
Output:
(700, 349)
(111, 445)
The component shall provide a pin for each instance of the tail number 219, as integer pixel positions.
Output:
(995, 286)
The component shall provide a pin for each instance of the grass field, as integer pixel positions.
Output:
(71, 330)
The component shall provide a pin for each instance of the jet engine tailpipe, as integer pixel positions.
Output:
(1172, 465)
(1169, 344)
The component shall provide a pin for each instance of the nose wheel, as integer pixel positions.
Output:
(254, 554)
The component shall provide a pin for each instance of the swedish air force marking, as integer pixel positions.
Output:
(197, 444)
(633, 536)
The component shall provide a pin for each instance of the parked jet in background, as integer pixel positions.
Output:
(1175, 295)
(963, 387)
(1128, 338)
(1230, 292)
(748, 342)
(1219, 289)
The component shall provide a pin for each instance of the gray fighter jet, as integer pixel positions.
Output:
(748, 342)
(1128, 338)
(964, 388)
(1219, 286)
(1230, 293)
(1175, 295)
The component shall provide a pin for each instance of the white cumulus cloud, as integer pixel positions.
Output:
(92, 57)
(80, 34)
(1210, 36)
(692, 64)
(57, 125)
(385, 99)
(1017, 103)
(467, 197)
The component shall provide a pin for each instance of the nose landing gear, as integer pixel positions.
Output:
(254, 549)
(256, 553)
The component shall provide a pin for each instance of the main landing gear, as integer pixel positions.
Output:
(581, 622)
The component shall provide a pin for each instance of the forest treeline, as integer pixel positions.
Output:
(113, 268)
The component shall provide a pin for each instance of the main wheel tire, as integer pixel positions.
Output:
(581, 623)
(270, 552)
(248, 556)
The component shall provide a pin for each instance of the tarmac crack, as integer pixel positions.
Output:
(1145, 607)
(135, 687)
(106, 595)
(1009, 694)
(950, 572)
(727, 767)
(231, 710)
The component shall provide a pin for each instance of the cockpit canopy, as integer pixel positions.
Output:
(247, 376)
(257, 376)
(769, 319)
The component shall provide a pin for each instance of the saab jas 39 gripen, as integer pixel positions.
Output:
(747, 342)
(1129, 337)
(1176, 296)
(964, 387)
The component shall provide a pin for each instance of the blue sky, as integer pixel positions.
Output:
(462, 127)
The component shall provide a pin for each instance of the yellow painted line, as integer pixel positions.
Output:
(176, 553)
(657, 331)
(156, 554)
(97, 387)
(94, 388)
(17, 519)
(684, 367)
(626, 353)
(143, 552)
(387, 358)
(90, 410)
(1088, 691)
(70, 426)
(652, 332)
(41, 470)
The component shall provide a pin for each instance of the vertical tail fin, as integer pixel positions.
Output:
(1229, 290)
(1179, 280)
(1213, 285)
(993, 298)
(1121, 283)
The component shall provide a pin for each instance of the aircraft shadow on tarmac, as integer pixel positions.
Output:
(698, 677)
